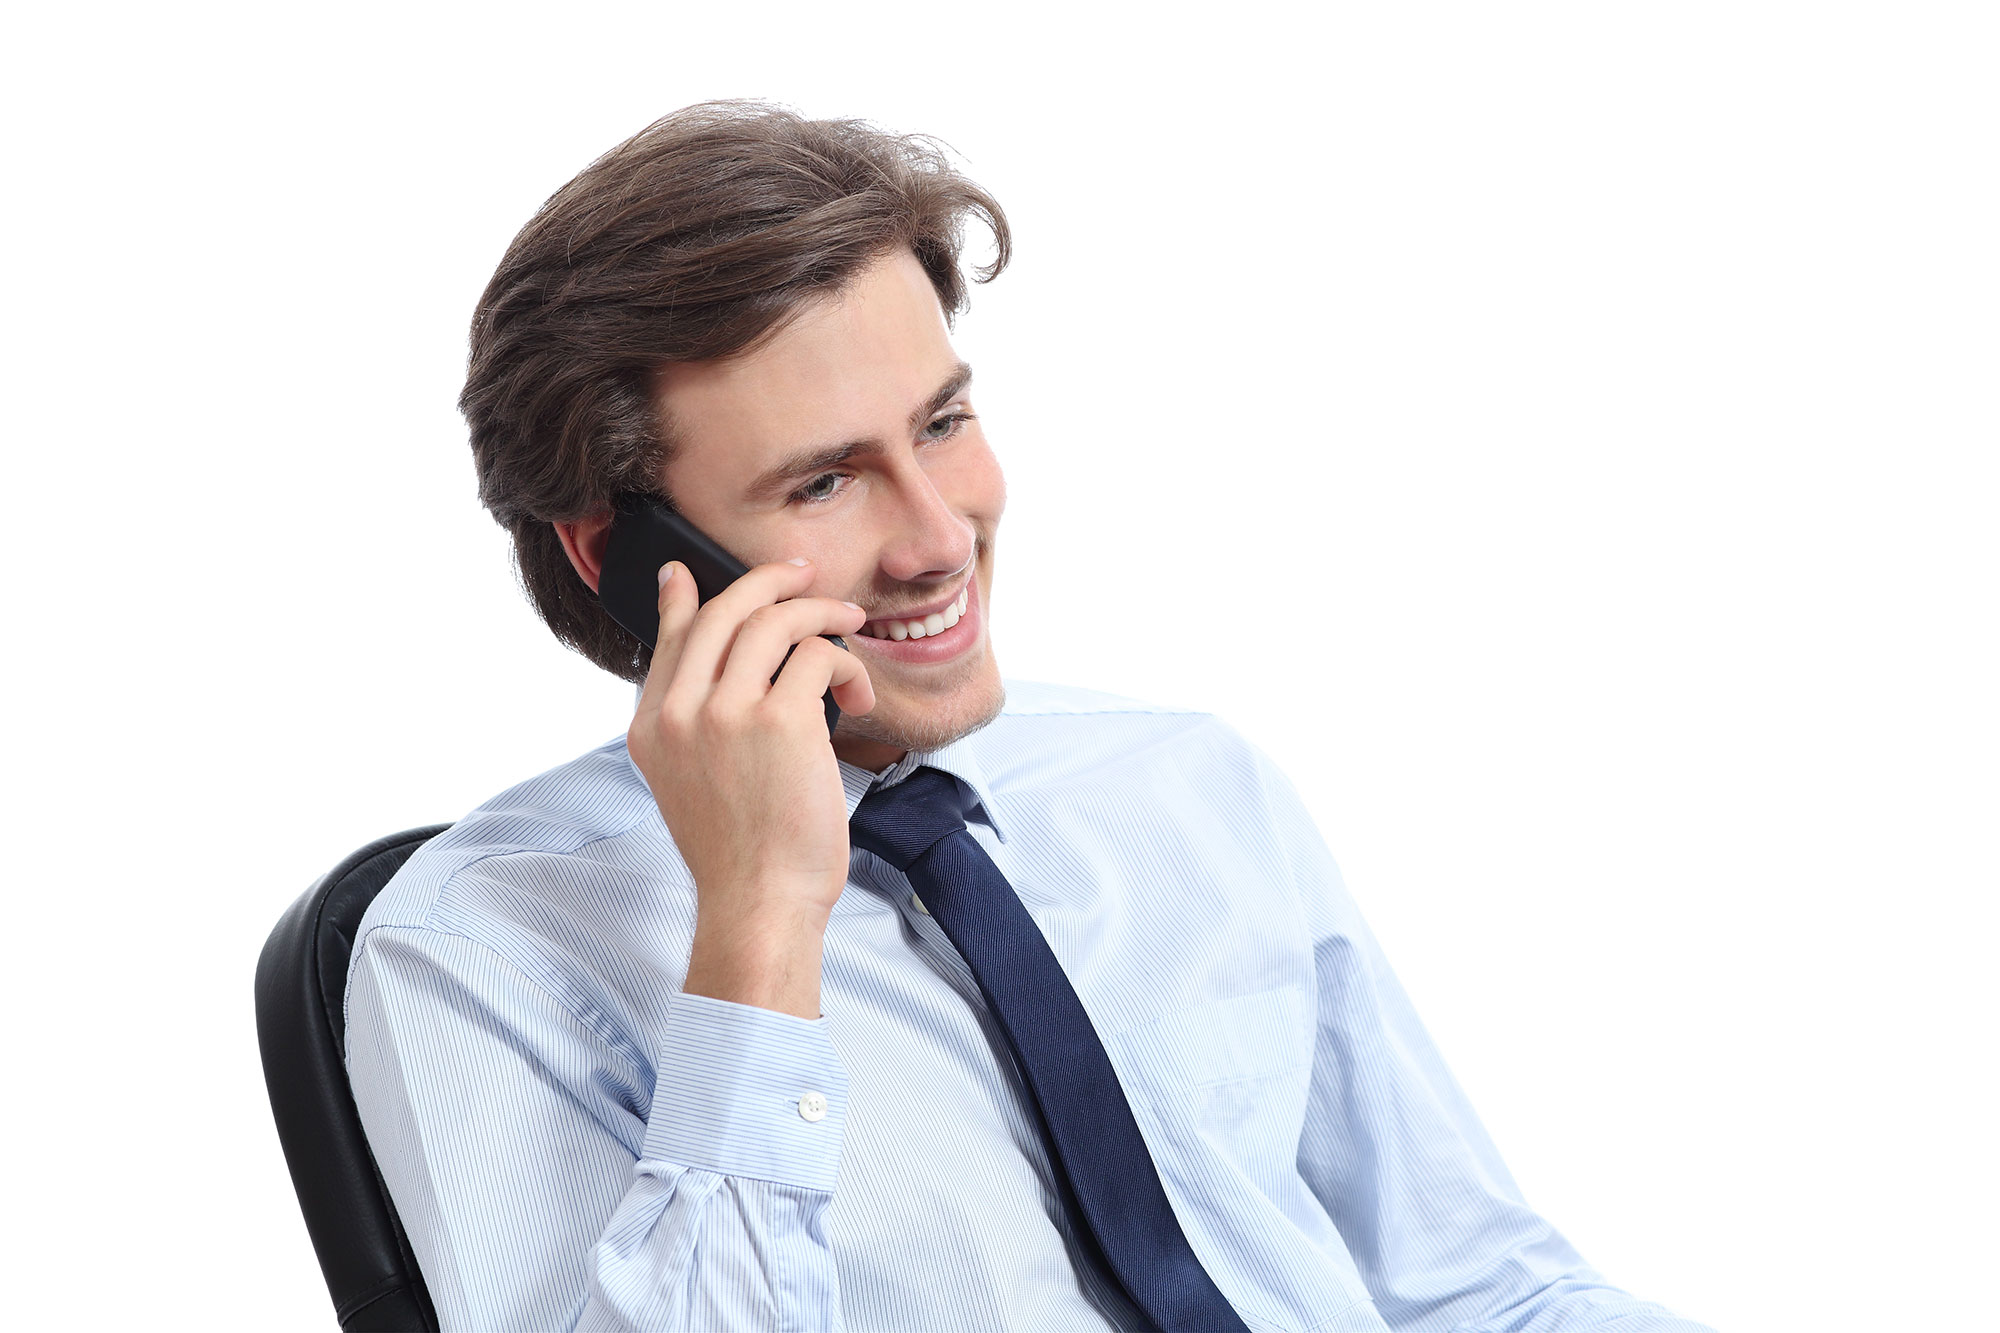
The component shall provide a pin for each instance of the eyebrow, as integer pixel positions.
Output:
(817, 458)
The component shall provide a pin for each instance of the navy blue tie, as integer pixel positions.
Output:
(918, 826)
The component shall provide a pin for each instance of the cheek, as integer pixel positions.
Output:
(980, 486)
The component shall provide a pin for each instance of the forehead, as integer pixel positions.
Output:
(853, 364)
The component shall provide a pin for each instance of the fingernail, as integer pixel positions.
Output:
(855, 605)
(798, 560)
(666, 572)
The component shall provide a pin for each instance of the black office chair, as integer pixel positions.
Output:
(302, 1032)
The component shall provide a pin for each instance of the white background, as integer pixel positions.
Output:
(1563, 436)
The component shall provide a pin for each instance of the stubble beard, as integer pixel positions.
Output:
(930, 721)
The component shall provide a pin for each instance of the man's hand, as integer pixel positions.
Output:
(745, 775)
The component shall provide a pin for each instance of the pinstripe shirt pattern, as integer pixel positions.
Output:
(572, 1142)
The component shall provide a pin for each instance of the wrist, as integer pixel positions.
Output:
(770, 959)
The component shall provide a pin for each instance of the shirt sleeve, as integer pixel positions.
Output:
(547, 1181)
(1436, 1226)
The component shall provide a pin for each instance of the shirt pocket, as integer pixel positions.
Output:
(1233, 1071)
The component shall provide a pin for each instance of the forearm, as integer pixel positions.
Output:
(725, 1225)
(544, 1186)
(691, 1249)
(753, 950)
(1583, 1304)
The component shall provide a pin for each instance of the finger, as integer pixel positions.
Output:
(678, 603)
(768, 634)
(705, 650)
(814, 669)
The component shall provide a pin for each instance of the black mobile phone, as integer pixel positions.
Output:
(646, 532)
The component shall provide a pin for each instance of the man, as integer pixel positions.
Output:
(669, 1037)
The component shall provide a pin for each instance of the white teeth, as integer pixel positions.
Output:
(937, 622)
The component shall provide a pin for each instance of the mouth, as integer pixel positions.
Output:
(922, 623)
(934, 636)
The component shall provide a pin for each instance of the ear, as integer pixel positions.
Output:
(583, 541)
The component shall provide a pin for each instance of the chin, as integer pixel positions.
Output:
(925, 723)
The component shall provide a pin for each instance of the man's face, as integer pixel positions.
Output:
(905, 521)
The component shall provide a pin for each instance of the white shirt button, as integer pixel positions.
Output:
(918, 903)
(812, 1106)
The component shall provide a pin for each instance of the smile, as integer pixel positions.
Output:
(937, 622)
(945, 635)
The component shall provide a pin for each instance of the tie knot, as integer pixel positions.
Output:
(901, 823)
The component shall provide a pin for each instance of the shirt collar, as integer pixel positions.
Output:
(957, 758)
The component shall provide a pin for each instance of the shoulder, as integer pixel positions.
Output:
(1038, 698)
(565, 887)
(1046, 732)
(598, 798)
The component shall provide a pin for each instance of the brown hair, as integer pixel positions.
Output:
(698, 237)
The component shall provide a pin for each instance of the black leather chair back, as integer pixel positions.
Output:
(301, 1030)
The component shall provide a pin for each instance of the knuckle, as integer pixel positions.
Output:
(674, 721)
(814, 650)
(719, 718)
(657, 731)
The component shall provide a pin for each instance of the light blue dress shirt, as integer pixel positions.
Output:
(572, 1142)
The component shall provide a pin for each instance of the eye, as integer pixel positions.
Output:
(955, 420)
(806, 495)
(809, 494)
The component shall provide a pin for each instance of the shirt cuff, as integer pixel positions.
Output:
(744, 1091)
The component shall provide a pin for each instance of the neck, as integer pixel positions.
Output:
(875, 756)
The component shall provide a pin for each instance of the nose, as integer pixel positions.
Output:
(930, 542)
